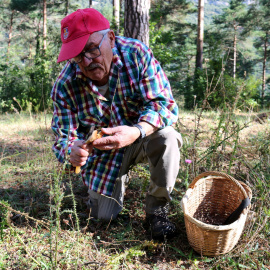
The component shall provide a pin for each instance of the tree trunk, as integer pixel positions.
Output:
(116, 14)
(38, 38)
(234, 53)
(136, 22)
(264, 69)
(67, 6)
(199, 56)
(10, 32)
(44, 26)
(90, 3)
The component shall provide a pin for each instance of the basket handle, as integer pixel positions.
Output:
(196, 179)
(244, 204)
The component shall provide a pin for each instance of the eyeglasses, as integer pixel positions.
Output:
(90, 54)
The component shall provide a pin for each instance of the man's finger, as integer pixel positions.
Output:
(110, 131)
(105, 141)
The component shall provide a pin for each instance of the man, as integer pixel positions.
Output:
(116, 85)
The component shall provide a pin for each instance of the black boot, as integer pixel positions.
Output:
(160, 225)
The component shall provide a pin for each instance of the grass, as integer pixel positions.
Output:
(45, 223)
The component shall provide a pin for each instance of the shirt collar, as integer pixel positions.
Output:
(116, 58)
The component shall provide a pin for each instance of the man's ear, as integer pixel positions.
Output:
(111, 36)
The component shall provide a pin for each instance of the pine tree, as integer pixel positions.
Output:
(137, 20)
(200, 34)
(116, 15)
(172, 39)
(258, 22)
(229, 23)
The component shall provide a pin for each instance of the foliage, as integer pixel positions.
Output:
(29, 83)
(23, 5)
(4, 217)
(106, 8)
(221, 89)
(160, 43)
(256, 22)
(172, 39)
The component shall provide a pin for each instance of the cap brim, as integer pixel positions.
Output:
(72, 48)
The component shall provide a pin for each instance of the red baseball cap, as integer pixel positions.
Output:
(76, 28)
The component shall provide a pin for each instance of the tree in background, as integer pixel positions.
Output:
(116, 15)
(172, 41)
(230, 25)
(44, 26)
(200, 32)
(136, 22)
(16, 7)
(257, 22)
(28, 74)
(227, 55)
(198, 87)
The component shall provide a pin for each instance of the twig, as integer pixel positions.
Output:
(45, 224)
(98, 263)
(112, 199)
(220, 143)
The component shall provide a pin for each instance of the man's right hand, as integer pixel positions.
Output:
(79, 153)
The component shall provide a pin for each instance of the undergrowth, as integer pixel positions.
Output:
(44, 222)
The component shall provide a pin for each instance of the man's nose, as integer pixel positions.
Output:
(86, 61)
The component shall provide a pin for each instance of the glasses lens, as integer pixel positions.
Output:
(92, 53)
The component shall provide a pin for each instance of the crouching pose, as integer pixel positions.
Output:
(115, 85)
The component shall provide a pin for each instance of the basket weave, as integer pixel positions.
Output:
(208, 202)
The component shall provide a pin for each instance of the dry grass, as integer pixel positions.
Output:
(42, 231)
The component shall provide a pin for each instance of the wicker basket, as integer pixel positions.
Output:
(208, 202)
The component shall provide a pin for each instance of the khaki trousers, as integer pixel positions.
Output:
(162, 152)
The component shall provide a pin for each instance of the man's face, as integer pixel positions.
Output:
(98, 69)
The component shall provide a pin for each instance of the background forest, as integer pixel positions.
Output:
(236, 45)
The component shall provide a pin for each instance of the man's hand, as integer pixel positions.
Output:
(119, 137)
(79, 153)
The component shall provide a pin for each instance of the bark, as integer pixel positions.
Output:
(10, 32)
(234, 53)
(136, 22)
(44, 25)
(200, 29)
(67, 6)
(38, 37)
(116, 14)
(264, 69)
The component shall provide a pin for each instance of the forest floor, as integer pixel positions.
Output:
(44, 223)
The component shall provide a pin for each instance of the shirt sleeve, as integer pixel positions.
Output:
(159, 106)
(64, 122)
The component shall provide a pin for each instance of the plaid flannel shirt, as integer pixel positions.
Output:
(139, 91)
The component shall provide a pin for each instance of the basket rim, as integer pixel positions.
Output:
(213, 173)
(211, 227)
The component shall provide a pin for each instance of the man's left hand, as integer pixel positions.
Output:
(118, 137)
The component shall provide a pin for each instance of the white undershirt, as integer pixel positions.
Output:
(103, 90)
